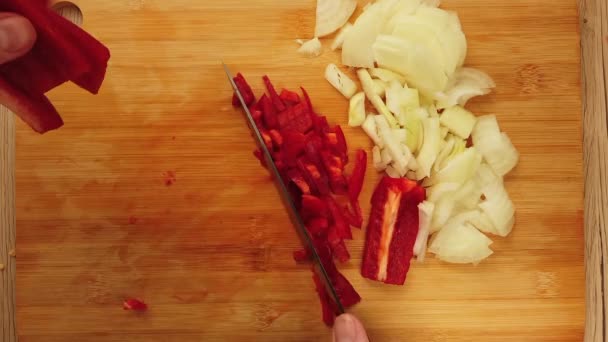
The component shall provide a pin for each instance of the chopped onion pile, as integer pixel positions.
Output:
(410, 56)
(333, 14)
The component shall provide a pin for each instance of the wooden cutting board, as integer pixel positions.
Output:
(150, 190)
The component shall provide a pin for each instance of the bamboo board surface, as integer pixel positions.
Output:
(211, 254)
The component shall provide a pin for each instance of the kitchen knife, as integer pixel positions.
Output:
(291, 208)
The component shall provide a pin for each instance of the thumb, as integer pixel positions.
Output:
(17, 36)
(347, 328)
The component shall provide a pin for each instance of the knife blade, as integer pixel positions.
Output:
(291, 208)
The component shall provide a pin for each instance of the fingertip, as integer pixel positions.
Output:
(17, 36)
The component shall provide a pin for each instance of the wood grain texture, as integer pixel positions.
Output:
(211, 253)
(8, 327)
(594, 34)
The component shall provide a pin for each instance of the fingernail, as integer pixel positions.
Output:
(344, 329)
(14, 35)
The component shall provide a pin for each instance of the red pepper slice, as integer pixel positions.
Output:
(295, 176)
(278, 104)
(355, 182)
(313, 206)
(270, 116)
(277, 138)
(354, 219)
(327, 306)
(334, 167)
(392, 230)
(317, 225)
(321, 125)
(341, 145)
(245, 90)
(307, 100)
(289, 97)
(338, 221)
(313, 176)
(62, 52)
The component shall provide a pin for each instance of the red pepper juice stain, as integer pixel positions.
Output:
(170, 178)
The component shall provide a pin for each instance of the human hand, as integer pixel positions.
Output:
(347, 328)
(17, 36)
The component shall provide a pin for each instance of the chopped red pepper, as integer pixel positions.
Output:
(295, 118)
(355, 182)
(317, 225)
(307, 100)
(311, 156)
(245, 90)
(270, 116)
(313, 207)
(289, 97)
(301, 255)
(392, 230)
(278, 104)
(62, 52)
(134, 305)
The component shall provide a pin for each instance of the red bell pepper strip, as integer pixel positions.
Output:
(392, 230)
(313, 176)
(289, 97)
(270, 116)
(295, 176)
(277, 138)
(355, 182)
(355, 218)
(327, 306)
(337, 219)
(342, 147)
(62, 52)
(278, 104)
(313, 206)
(245, 90)
(317, 225)
(401, 249)
(307, 100)
(334, 168)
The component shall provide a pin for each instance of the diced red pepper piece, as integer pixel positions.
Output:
(295, 118)
(293, 146)
(307, 100)
(258, 118)
(267, 139)
(134, 305)
(317, 225)
(245, 90)
(337, 219)
(334, 167)
(345, 291)
(289, 97)
(355, 182)
(62, 52)
(321, 125)
(313, 206)
(301, 255)
(392, 230)
(277, 138)
(278, 104)
(313, 176)
(260, 156)
(339, 250)
(296, 177)
(270, 115)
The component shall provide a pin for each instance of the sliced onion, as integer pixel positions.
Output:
(370, 92)
(380, 88)
(496, 147)
(443, 211)
(371, 129)
(386, 75)
(392, 145)
(340, 81)
(461, 244)
(333, 14)
(460, 169)
(458, 120)
(436, 192)
(430, 147)
(357, 47)
(392, 172)
(498, 207)
(377, 159)
(425, 214)
(341, 36)
(356, 110)
(311, 48)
